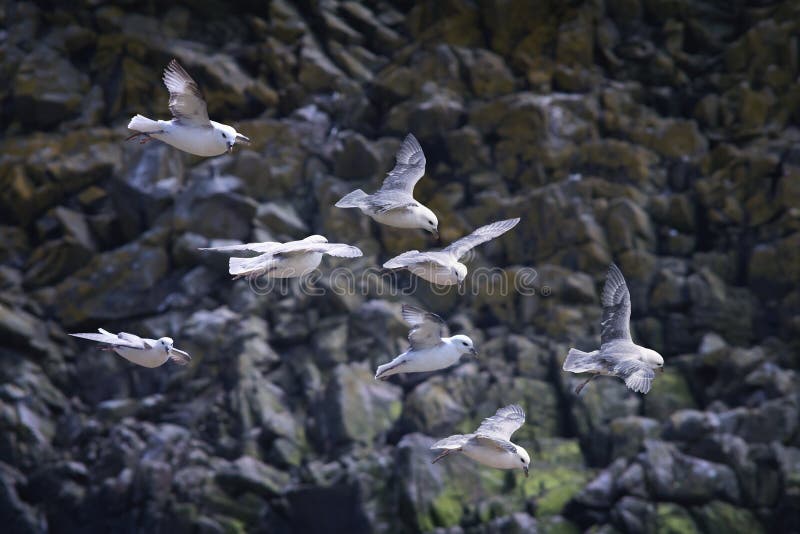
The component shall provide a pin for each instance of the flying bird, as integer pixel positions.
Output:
(141, 351)
(190, 130)
(393, 204)
(490, 444)
(431, 348)
(442, 267)
(618, 355)
(285, 260)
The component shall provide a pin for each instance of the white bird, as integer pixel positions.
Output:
(442, 267)
(431, 349)
(285, 260)
(141, 351)
(190, 130)
(393, 204)
(490, 444)
(618, 355)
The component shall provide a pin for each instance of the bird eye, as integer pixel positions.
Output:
(464, 343)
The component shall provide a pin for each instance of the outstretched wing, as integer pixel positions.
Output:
(333, 249)
(455, 441)
(261, 248)
(637, 375)
(616, 302)
(382, 201)
(122, 340)
(503, 423)
(427, 329)
(180, 357)
(185, 101)
(481, 235)
(269, 247)
(405, 259)
(499, 444)
(410, 167)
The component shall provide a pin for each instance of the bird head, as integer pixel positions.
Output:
(524, 459)
(231, 136)
(653, 359)
(428, 220)
(460, 270)
(464, 344)
(166, 344)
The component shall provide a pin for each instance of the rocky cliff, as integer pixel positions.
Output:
(660, 134)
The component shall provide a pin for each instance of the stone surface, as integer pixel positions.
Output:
(657, 134)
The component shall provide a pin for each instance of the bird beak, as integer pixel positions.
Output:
(473, 352)
(661, 368)
(435, 234)
(182, 353)
(525, 468)
(230, 148)
(242, 139)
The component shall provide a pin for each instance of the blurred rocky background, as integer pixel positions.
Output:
(660, 134)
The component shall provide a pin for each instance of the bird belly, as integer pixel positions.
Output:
(398, 218)
(427, 360)
(146, 358)
(296, 266)
(490, 456)
(434, 273)
(204, 142)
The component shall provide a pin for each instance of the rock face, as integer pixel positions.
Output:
(657, 134)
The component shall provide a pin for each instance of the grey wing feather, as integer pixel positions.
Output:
(133, 338)
(383, 201)
(481, 235)
(427, 329)
(455, 441)
(250, 247)
(500, 444)
(503, 423)
(616, 301)
(185, 100)
(410, 167)
(180, 357)
(271, 247)
(405, 259)
(110, 339)
(637, 375)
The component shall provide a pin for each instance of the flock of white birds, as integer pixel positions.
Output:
(431, 347)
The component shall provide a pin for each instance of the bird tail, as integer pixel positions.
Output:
(141, 123)
(455, 441)
(352, 200)
(581, 362)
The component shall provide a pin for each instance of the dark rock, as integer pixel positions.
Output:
(674, 476)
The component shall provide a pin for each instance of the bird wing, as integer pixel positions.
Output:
(340, 250)
(427, 329)
(410, 167)
(455, 441)
(251, 247)
(386, 200)
(481, 235)
(185, 101)
(637, 375)
(270, 247)
(131, 342)
(503, 423)
(411, 257)
(133, 338)
(616, 301)
(496, 443)
(180, 357)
